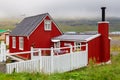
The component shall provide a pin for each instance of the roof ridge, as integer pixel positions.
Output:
(36, 15)
(27, 25)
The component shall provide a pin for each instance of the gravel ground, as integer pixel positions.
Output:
(2, 67)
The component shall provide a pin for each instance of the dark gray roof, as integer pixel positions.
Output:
(27, 25)
(76, 37)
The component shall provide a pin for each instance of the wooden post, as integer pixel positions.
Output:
(40, 56)
(32, 52)
(52, 56)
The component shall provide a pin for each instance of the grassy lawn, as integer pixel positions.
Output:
(92, 72)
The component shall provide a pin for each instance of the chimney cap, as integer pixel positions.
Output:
(103, 7)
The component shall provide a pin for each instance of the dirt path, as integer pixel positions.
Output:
(2, 67)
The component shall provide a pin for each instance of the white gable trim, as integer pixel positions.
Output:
(93, 37)
(47, 25)
(55, 24)
(51, 24)
(38, 25)
(55, 40)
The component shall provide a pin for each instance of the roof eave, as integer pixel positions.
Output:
(93, 37)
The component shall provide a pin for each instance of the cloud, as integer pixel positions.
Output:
(58, 8)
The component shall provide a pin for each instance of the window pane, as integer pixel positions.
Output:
(21, 43)
(47, 25)
(13, 42)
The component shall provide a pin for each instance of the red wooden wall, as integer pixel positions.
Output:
(38, 39)
(103, 29)
(41, 38)
(94, 50)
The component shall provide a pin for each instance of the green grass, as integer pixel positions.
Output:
(92, 72)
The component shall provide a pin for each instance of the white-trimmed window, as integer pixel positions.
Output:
(21, 43)
(57, 45)
(47, 25)
(13, 42)
(77, 46)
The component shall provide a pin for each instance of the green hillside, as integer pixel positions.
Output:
(87, 24)
(65, 25)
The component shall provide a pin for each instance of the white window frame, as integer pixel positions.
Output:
(21, 43)
(77, 45)
(57, 45)
(7, 39)
(13, 42)
(47, 25)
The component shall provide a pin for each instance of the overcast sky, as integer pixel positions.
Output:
(59, 8)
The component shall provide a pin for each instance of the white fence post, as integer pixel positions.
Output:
(32, 51)
(52, 55)
(71, 50)
(87, 52)
(71, 59)
(2, 52)
(40, 56)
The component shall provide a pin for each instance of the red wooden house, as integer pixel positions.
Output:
(41, 32)
(98, 44)
(35, 31)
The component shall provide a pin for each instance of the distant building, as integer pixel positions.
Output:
(4, 36)
(115, 33)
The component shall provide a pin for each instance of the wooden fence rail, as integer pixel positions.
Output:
(52, 63)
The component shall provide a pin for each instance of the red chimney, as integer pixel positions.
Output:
(103, 29)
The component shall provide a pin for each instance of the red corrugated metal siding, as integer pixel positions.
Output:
(103, 29)
(83, 47)
(94, 49)
(68, 42)
(62, 44)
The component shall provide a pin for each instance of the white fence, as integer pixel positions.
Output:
(2, 51)
(51, 64)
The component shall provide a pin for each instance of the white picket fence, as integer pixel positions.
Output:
(51, 64)
(2, 52)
